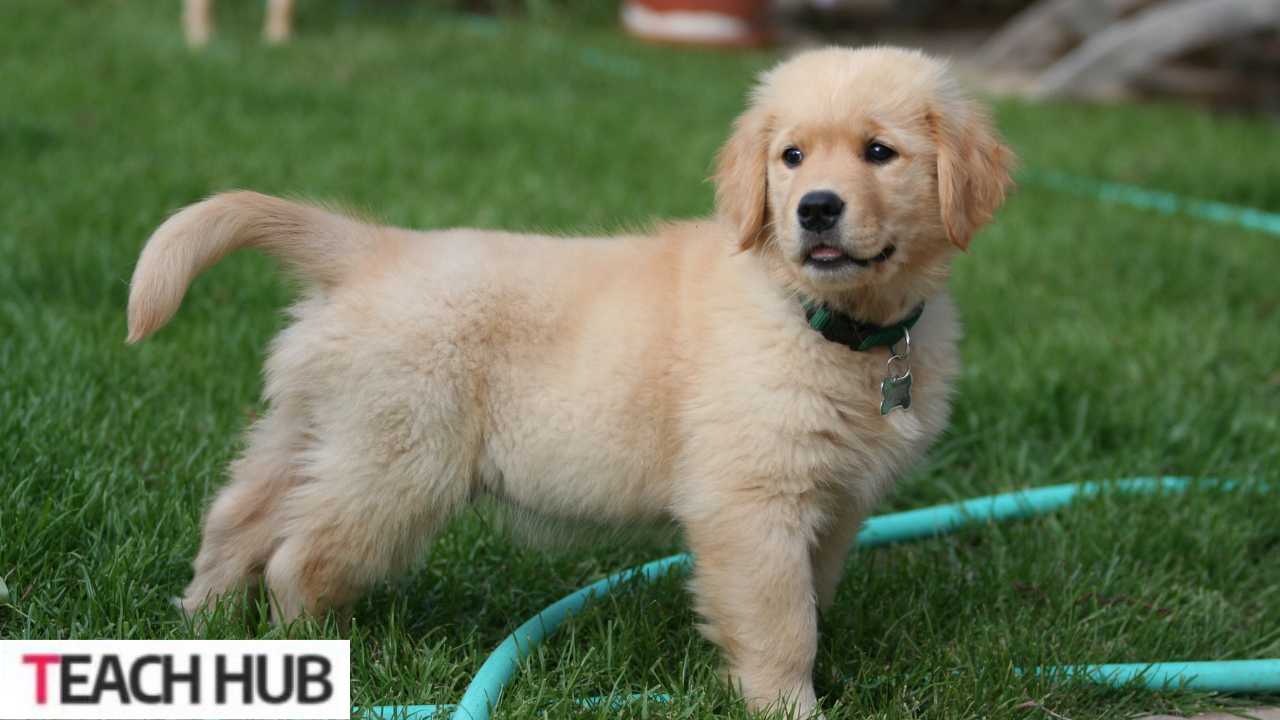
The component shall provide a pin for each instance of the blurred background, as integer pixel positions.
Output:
(1223, 52)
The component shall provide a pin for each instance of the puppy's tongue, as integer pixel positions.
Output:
(826, 252)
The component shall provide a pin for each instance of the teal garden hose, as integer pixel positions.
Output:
(1234, 676)
(1165, 203)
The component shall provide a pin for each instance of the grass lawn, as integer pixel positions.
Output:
(1101, 342)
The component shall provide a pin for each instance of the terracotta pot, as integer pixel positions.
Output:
(724, 23)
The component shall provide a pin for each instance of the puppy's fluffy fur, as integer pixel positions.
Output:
(669, 377)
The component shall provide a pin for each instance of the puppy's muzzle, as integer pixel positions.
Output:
(819, 210)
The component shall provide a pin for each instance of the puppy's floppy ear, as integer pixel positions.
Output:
(742, 178)
(973, 168)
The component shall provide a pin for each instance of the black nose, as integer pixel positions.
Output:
(819, 210)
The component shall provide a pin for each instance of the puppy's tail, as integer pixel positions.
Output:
(319, 245)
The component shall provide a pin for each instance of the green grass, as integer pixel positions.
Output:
(1102, 342)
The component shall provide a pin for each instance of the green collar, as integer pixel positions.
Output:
(855, 334)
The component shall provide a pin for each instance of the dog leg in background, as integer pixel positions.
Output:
(279, 24)
(197, 21)
(753, 584)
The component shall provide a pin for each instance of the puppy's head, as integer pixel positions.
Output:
(858, 173)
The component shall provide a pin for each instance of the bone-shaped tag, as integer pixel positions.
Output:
(895, 392)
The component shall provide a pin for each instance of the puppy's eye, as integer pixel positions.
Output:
(879, 154)
(792, 157)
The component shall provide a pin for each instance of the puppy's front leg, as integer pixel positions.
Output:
(831, 553)
(753, 581)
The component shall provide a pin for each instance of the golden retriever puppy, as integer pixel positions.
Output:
(197, 21)
(669, 377)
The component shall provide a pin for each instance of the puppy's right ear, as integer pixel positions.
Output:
(742, 178)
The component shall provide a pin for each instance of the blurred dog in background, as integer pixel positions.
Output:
(197, 20)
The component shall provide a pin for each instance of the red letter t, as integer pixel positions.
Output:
(42, 663)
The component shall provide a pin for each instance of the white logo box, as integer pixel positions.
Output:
(176, 679)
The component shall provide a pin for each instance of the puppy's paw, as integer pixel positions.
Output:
(191, 612)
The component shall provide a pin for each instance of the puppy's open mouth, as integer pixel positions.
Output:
(833, 258)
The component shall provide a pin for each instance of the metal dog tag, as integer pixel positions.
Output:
(895, 392)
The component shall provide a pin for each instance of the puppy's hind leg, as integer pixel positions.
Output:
(242, 524)
(359, 520)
